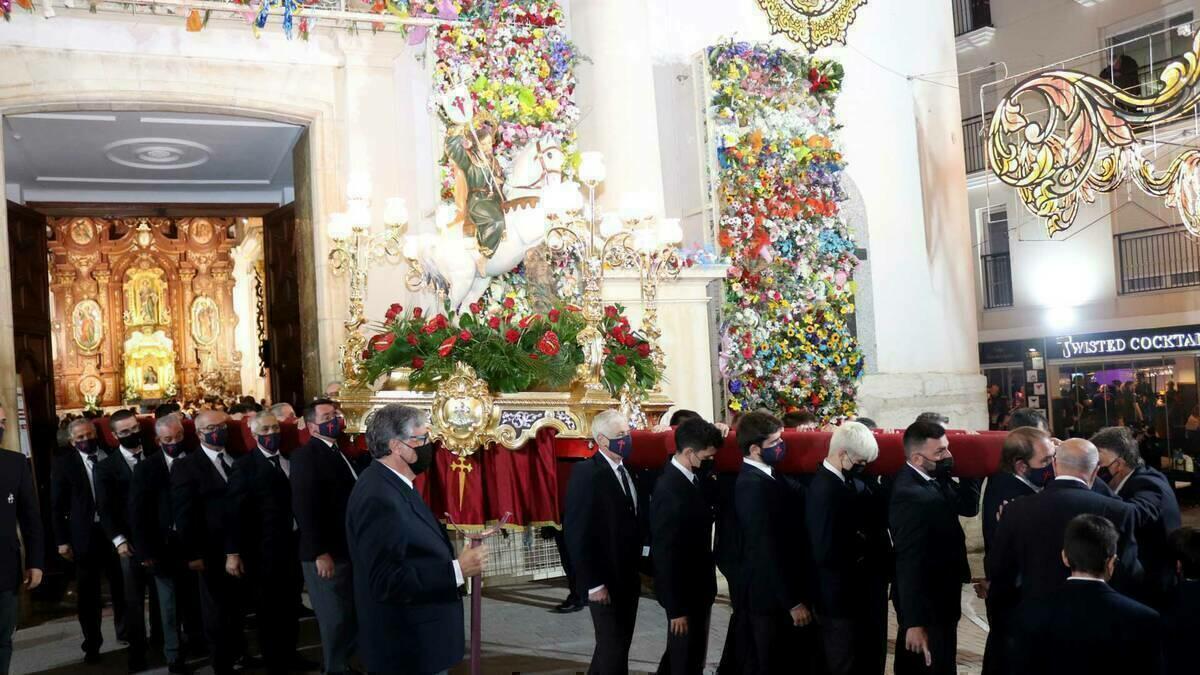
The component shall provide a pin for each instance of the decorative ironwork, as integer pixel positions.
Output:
(260, 315)
(812, 23)
(353, 256)
(1086, 141)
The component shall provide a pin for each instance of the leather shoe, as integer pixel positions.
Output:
(248, 662)
(569, 607)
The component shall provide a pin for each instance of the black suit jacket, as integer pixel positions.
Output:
(18, 506)
(847, 530)
(72, 505)
(931, 551)
(152, 517)
(258, 519)
(1086, 627)
(113, 478)
(1157, 515)
(199, 497)
(1002, 486)
(1025, 560)
(1181, 621)
(404, 582)
(602, 531)
(685, 576)
(775, 568)
(321, 485)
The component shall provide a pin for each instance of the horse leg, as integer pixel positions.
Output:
(478, 287)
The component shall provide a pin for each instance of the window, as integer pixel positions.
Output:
(1136, 55)
(994, 263)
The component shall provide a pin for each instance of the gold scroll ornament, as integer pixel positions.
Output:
(812, 23)
(1086, 141)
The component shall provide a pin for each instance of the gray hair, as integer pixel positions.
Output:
(857, 440)
(610, 424)
(277, 409)
(78, 423)
(161, 424)
(1077, 454)
(390, 422)
(257, 421)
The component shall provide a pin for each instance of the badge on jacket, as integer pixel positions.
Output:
(10, 498)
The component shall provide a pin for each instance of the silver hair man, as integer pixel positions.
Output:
(609, 424)
(855, 441)
(391, 422)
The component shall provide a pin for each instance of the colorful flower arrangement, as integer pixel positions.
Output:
(509, 350)
(786, 341)
(515, 59)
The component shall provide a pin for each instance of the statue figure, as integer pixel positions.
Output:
(149, 302)
(150, 378)
(478, 182)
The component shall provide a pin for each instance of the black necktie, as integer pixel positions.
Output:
(137, 459)
(92, 460)
(225, 464)
(695, 480)
(626, 487)
(274, 459)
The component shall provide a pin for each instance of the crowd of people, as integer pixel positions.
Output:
(1087, 566)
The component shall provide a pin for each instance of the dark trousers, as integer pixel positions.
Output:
(221, 608)
(995, 651)
(856, 644)
(565, 556)
(943, 648)
(686, 654)
(773, 644)
(97, 564)
(613, 624)
(8, 624)
(136, 580)
(276, 594)
(333, 603)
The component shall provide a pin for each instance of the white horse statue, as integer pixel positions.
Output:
(453, 266)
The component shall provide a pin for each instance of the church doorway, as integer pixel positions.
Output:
(156, 256)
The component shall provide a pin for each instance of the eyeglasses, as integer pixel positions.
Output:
(421, 440)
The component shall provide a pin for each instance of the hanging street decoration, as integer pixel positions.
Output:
(812, 23)
(1061, 136)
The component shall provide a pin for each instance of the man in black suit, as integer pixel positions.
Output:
(773, 594)
(1155, 505)
(199, 490)
(931, 552)
(1025, 468)
(322, 479)
(1085, 626)
(18, 508)
(81, 538)
(261, 543)
(113, 476)
(603, 532)
(1025, 560)
(156, 543)
(681, 522)
(1181, 615)
(408, 578)
(848, 532)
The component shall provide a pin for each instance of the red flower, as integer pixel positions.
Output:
(475, 308)
(393, 311)
(554, 316)
(573, 308)
(494, 322)
(382, 342)
(465, 335)
(508, 303)
(418, 363)
(548, 344)
(643, 349)
(524, 323)
(416, 312)
(620, 359)
(430, 327)
(533, 356)
(412, 339)
(610, 312)
(440, 321)
(447, 346)
(748, 353)
(512, 336)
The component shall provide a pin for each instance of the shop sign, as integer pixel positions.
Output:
(1180, 338)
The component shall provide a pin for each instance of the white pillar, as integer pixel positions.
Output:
(616, 97)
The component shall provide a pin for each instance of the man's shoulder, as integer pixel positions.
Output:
(1149, 478)
(10, 462)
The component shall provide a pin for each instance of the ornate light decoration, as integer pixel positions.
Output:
(812, 23)
(1087, 141)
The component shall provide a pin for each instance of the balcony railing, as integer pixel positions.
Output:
(973, 130)
(997, 280)
(971, 15)
(1157, 259)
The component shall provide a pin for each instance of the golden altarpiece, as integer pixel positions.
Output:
(143, 309)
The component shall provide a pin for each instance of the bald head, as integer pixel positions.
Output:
(208, 418)
(1076, 457)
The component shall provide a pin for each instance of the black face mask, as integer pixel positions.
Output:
(131, 442)
(1039, 477)
(855, 471)
(424, 458)
(943, 467)
(172, 449)
(707, 466)
(1105, 473)
(87, 446)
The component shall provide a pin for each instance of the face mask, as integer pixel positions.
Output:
(706, 465)
(424, 458)
(855, 471)
(269, 442)
(1105, 473)
(217, 437)
(172, 449)
(943, 467)
(331, 428)
(87, 446)
(1040, 477)
(131, 442)
(774, 454)
(1, 434)
(621, 445)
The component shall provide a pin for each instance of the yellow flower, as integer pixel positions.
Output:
(735, 405)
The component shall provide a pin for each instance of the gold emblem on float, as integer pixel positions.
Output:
(463, 411)
(812, 23)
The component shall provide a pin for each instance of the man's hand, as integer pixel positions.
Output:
(679, 626)
(33, 578)
(722, 427)
(125, 550)
(981, 588)
(801, 616)
(233, 565)
(196, 565)
(916, 640)
(66, 552)
(473, 560)
(325, 566)
(599, 597)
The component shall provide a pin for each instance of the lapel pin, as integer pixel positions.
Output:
(10, 498)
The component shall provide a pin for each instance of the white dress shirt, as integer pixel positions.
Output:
(1074, 478)
(131, 458)
(459, 580)
(687, 473)
(215, 457)
(170, 460)
(1025, 480)
(760, 466)
(1074, 578)
(616, 465)
(833, 469)
(924, 475)
(284, 462)
(88, 469)
(1117, 490)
